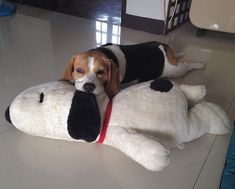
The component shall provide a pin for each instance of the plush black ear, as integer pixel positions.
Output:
(84, 117)
(7, 115)
(162, 85)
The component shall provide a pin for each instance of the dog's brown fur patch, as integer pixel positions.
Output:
(170, 55)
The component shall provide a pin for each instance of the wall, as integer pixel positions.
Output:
(154, 9)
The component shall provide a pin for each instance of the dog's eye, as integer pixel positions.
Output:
(100, 73)
(80, 70)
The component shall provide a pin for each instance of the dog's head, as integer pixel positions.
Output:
(92, 72)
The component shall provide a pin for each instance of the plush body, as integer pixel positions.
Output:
(147, 119)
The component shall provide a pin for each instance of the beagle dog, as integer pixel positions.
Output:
(104, 68)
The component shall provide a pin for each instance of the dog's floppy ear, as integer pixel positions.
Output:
(67, 76)
(113, 83)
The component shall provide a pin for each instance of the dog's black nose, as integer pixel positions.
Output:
(89, 87)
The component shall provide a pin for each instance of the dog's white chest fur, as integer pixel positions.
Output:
(121, 59)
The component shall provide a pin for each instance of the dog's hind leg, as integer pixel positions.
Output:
(174, 68)
(179, 55)
(180, 69)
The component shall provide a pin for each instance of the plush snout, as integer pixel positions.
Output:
(56, 110)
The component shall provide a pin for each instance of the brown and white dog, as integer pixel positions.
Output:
(104, 68)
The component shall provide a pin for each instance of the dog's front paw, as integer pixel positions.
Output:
(200, 65)
(153, 155)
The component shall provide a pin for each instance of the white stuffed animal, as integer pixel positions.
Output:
(143, 121)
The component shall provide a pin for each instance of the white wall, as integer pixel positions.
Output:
(154, 9)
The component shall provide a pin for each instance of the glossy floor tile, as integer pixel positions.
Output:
(109, 10)
(99, 9)
(35, 46)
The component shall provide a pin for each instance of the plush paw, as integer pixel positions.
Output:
(199, 92)
(144, 149)
(220, 123)
(194, 92)
(153, 156)
(213, 117)
(203, 91)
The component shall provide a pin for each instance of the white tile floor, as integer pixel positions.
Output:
(35, 46)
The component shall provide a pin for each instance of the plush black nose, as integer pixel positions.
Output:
(7, 115)
(89, 87)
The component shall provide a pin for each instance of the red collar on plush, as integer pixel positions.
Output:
(106, 122)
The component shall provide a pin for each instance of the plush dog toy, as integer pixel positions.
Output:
(143, 121)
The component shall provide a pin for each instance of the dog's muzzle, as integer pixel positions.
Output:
(89, 87)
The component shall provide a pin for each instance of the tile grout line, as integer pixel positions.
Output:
(204, 163)
(5, 130)
(229, 106)
(19, 71)
(227, 111)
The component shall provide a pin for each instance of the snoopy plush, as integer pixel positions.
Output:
(143, 121)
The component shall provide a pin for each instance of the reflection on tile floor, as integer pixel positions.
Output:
(108, 10)
(35, 46)
(96, 10)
